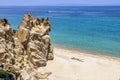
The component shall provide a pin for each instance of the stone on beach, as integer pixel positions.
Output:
(27, 47)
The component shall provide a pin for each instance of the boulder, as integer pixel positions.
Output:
(27, 48)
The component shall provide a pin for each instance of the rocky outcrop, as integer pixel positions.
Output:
(27, 48)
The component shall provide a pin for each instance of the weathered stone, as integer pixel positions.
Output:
(42, 76)
(25, 49)
(50, 53)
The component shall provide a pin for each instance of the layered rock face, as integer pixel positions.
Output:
(27, 48)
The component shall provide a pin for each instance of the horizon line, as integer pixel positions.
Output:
(56, 5)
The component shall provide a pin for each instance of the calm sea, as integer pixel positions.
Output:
(91, 28)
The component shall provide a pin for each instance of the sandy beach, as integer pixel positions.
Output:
(74, 65)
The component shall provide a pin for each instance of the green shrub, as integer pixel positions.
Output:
(3, 74)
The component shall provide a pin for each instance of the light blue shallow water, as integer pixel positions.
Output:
(94, 29)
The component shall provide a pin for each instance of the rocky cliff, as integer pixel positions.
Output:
(26, 49)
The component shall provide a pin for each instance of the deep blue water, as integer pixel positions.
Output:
(92, 28)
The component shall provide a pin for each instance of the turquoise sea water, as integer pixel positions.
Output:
(91, 28)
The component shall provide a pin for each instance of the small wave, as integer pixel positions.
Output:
(92, 13)
(65, 12)
(75, 12)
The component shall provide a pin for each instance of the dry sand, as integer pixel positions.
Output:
(74, 65)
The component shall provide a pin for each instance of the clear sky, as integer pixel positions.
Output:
(59, 2)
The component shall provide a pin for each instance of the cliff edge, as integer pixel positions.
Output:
(26, 49)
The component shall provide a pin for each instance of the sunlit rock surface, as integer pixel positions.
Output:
(25, 49)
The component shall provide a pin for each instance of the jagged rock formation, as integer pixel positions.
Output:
(28, 47)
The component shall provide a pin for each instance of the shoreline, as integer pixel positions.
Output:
(88, 53)
(70, 64)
